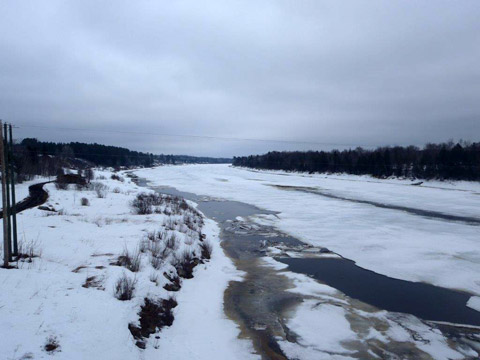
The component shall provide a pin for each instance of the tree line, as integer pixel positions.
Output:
(459, 161)
(33, 157)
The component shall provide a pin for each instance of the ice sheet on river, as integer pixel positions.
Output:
(390, 242)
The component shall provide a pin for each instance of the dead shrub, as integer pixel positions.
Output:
(171, 243)
(171, 224)
(102, 193)
(141, 206)
(157, 249)
(143, 246)
(183, 204)
(99, 188)
(152, 236)
(156, 236)
(27, 250)
(147, 203)
(156, 262)
(84, 202)
(159, 203)
(206, 248)
(117, 177)
(125, 287)
(130, 260)
(185, 263)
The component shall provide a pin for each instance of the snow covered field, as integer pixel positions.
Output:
(43, 301)
(390, 242)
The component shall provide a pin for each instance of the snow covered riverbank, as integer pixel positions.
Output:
(64, 299)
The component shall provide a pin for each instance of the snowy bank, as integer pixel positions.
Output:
(62, 301)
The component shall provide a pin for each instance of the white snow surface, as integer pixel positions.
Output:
(45, 299)
(325, 329)
(201, 330)
(319, 340)
(474, 303)
(391, 242)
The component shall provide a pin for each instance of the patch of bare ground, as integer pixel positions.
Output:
(52, 345)
(104, 254)
(174, 284)
(154, 315)
(79, 268)
(94, 282)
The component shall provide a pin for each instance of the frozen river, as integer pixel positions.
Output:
(391, 242)
(435, 243)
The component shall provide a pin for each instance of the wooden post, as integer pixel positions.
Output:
(6, 250)
(14, 204)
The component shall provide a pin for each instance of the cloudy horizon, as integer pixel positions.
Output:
(292, 75)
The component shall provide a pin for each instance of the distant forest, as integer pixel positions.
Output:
(33, 157)
(459, 161)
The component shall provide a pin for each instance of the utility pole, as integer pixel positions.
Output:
(7, 176)
(12, 184)
(6, 245)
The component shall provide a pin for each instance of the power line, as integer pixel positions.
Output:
(196, 136)
(146, 155)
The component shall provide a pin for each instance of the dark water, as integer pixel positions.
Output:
(220, 210)
(227, 210)
(257, 302)
(423, 300)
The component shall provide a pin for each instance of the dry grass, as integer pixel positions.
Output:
(28, 250)
(125, 287)
(130, 260)
(206, 248)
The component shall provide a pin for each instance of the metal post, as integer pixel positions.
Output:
(7, 177)
(14, 204)
(6, 251)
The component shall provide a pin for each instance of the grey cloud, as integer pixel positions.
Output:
(350, 72)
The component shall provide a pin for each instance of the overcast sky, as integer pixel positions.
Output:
(328, 72)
